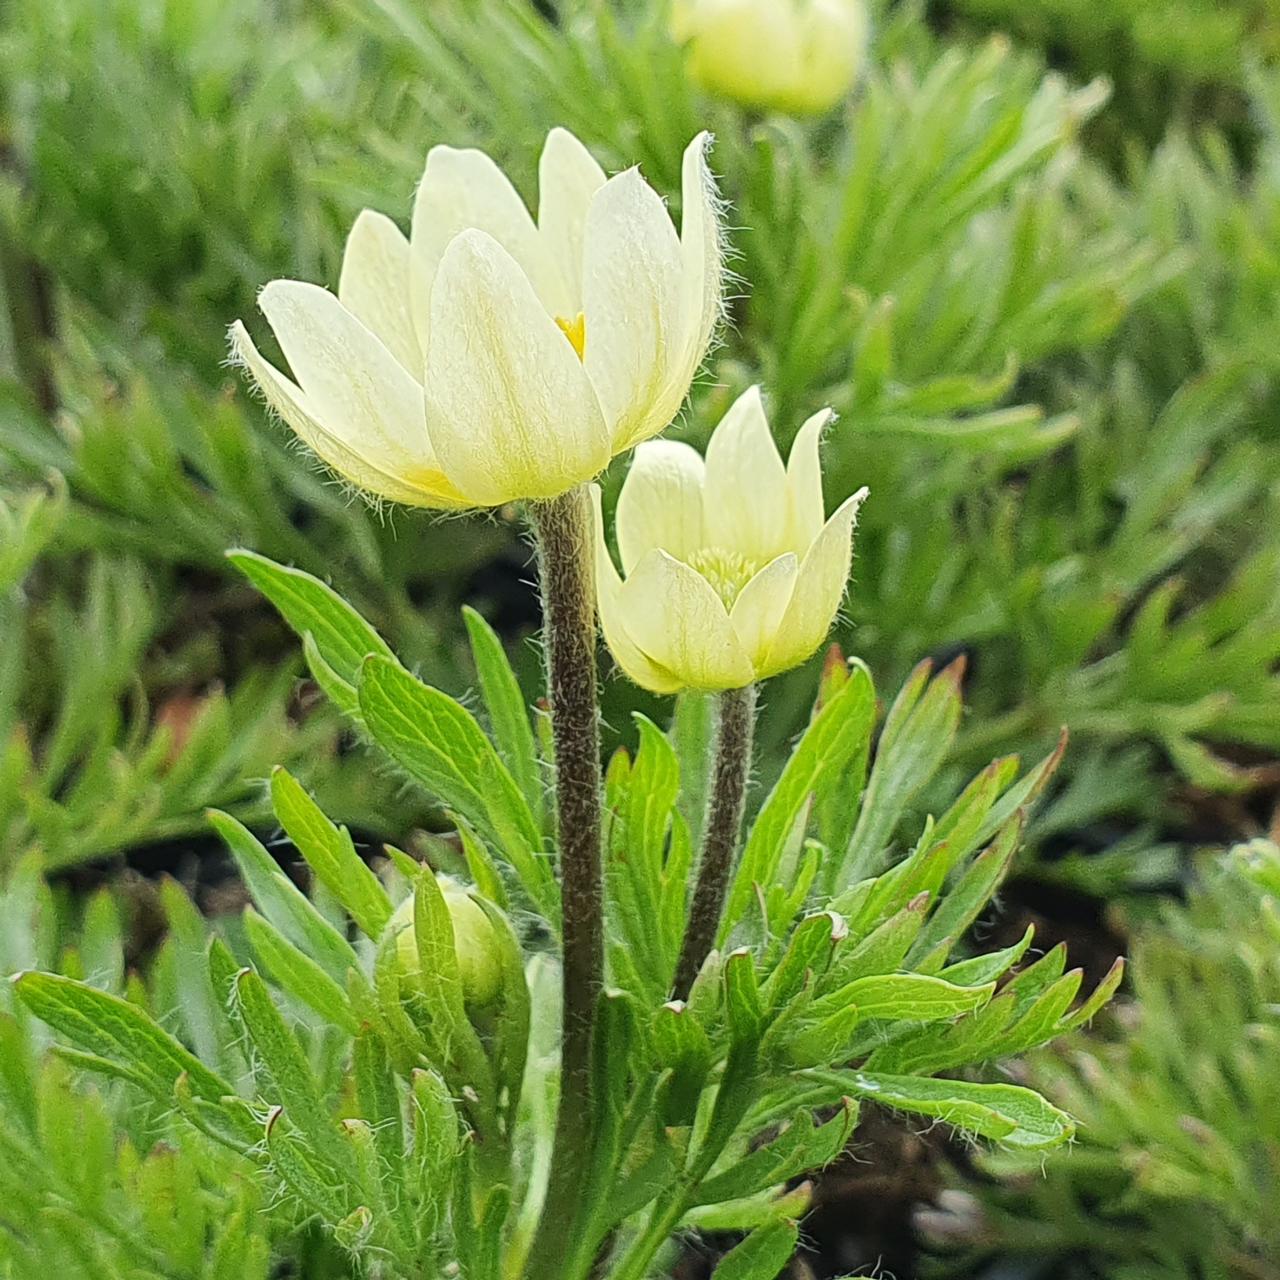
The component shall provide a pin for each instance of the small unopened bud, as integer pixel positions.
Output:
(475, 941)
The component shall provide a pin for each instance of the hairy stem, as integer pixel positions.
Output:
(734, 729)
(563, 529)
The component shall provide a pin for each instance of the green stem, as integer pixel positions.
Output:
(734, 731)
(563, 528)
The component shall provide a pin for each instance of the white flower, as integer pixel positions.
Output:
(732, 574)
(488, 358)
(796, 56)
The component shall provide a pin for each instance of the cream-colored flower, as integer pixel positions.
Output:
(488, 357)
(732, 574)
(796, 56)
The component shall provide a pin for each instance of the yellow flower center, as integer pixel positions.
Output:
(575, 330)
(727, 571)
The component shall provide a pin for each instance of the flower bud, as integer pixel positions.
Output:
(475, 941)
(796, 56)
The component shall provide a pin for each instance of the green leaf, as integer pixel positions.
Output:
(1010, 1114)
(282, 902)
(834, 735)
(288, 1078)
(330, 854)
(504, 700)
(297, 973)
(119, 1032)
(342, 637)
(905, 997)
(967, 897)
(799, 1147)
(917, 735)
(440, 743)
(761, 1256)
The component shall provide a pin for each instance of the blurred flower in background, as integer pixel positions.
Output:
(799, 57)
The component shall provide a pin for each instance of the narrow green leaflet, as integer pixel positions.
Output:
(342, 637)
(917, 735)
(119, 1032)
(904, 997)
(508, 714)
(282, 902)
(833, 735)
(330, 854)
(1007, 1113)
(440, 743)
(297, 973)
(289, 1080)
(761, 1256)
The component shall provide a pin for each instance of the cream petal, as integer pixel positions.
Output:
(568, 177)
(804, 484)
(462, 189)
(635, 664)
(701, 254)
(678, 621)
(424, 487)
(513, 414)
(745, 494)
(761, 604)
(661, 502)
(631, 286)
(374, 286)
(820, 586)
(359, 392)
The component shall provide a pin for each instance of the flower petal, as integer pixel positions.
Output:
(701, 254)
(357, 390)
(424, 487)
(635, 664)
(759, 608)
(661, 502)
(819, 588)
(631, 296)
(462, 189)
(745, 495)
(512, 412)
(374, 286)
(804, 484)
(678, 621)
(568, 176)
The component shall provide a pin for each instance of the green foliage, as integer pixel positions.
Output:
(703, 1110)
(1176, 1168)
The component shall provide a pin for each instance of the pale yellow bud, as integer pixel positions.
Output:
(732, 572)
(474, 939)
(799, 57)
(488, 357)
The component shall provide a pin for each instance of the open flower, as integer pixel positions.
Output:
(488, 358)
(732, 574)
(796, 56)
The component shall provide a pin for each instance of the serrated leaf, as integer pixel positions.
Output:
(833, 736)
(761, 1256)
(342, 637)
(118, 1031)
(297, 973)
(331, 855)
(508, 714)
(282, 902)
(1010, 1114)
(439, 742)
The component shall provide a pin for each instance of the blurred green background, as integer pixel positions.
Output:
(1034, 263)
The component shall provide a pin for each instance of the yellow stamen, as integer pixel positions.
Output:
(727, 571)
(575, 330)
